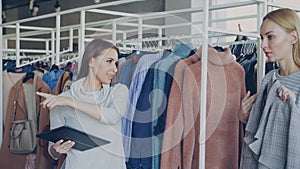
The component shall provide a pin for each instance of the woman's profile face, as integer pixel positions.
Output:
(275, 42)
(104, 66)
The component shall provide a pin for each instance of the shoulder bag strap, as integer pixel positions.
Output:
(15, 102)
(30, 100)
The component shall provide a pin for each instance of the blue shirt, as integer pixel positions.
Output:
(138, 78)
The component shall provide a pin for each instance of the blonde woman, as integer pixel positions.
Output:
(272, 117)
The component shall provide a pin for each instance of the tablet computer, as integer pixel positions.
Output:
(83, 141)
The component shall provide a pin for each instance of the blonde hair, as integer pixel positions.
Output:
(289, 21)
(93, 50)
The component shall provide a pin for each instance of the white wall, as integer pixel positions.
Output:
(247, 25)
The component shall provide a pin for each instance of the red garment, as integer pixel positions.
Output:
(17, 161)
(171, 147)
(225, 90)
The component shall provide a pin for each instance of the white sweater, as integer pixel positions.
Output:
(112, 102)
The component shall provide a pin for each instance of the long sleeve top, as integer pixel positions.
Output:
(138, 78)
(272, 137)
(159, 99)
(112, 102)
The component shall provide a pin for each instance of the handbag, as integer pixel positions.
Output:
(22, 134)
(22, 137)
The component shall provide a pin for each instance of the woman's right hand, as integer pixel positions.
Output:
(53, 100)
(61, 147)
(246, 106)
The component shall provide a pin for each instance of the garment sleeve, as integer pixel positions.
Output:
(190, 109)
(114, 110)
(171, 156)
(293, 136)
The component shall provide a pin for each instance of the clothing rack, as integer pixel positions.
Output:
(117, 31)
(54, 37)
(155, 44)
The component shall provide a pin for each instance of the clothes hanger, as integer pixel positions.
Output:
(29, 75)
(217, 47)
(54, 67)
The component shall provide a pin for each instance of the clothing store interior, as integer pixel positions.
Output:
(187, 64)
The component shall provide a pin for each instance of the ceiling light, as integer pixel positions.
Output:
(4, 15)
(31, 5)
(97, 1)
(57, 6)
(35, 9)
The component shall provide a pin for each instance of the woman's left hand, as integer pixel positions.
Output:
(284, 93)
(52, 100)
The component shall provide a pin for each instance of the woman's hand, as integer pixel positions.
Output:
(61, 147)
(284, 92)
(246, 106)
(53, 100)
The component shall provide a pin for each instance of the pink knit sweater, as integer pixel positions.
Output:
(225, 90)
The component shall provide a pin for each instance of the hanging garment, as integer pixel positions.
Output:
(158, 96)
(161, 120)
(242, 49)
(134, 91)
(61, 82)
(8, 64)
(9, 160)
(126, 70)
(225, 90)
(249, 64)
(171, 149)
(272, 137)
(9, 80)
(51, 77)
(250, 73)
(246, 56)
(141, 155)
(12, 68)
